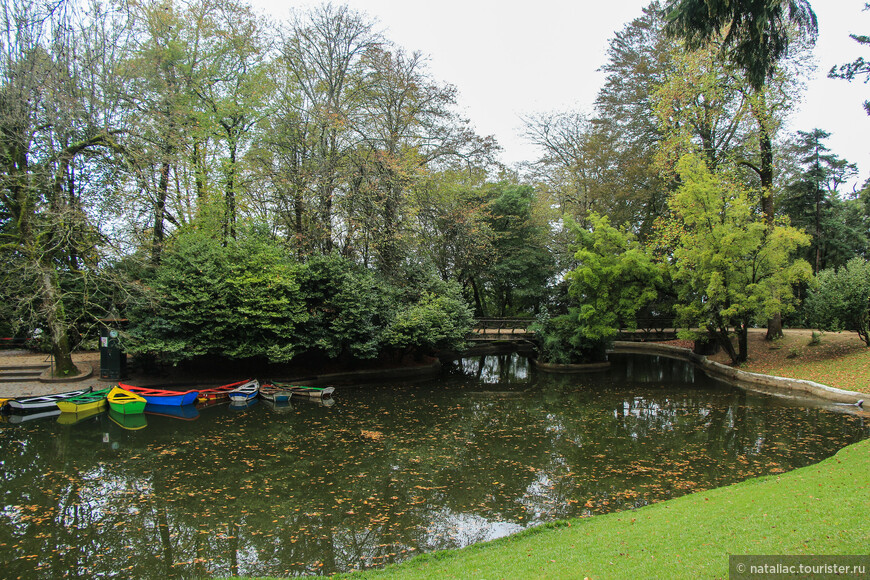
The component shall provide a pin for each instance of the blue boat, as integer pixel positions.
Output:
(162, 396)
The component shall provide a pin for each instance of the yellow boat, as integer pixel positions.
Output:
(126, 403)
(93, 401)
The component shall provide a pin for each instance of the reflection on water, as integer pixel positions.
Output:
(386, 472)
(492, 370)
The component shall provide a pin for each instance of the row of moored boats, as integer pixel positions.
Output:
(130, 400)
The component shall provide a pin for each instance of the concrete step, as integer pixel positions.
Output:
(14, 374)
(39, 368)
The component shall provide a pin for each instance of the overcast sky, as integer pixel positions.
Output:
(509, 58)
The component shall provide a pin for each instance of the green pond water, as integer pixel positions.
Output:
(387, 471)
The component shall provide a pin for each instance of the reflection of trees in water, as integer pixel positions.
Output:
(306, 492)
(495, 369)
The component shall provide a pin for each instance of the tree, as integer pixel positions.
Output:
(53, 120)
(348, 308)
(234, 89)
(406, 125)
(239, 299)
(812, 200)
(158, 74)
(323, 51)
(702, 106)
(756, 36)
(639, 60)
(567, 165)
(614, 279)
(453, 229)
(731, 269)
(522, 264)
(858, 67)
(840, 299)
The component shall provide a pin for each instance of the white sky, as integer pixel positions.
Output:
(509, 58)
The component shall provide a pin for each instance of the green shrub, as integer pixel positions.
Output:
(237, 301)
(840, 299)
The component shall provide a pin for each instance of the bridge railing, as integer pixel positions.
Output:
(502, 325)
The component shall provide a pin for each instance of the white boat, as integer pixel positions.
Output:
(43, 403)
(245, 392)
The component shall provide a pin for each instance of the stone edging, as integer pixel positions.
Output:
(576, 368)
(742, 379)
(86, 371)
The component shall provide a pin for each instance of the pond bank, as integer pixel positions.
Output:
(781, 386)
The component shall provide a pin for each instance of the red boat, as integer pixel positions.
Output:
(162, 396)
(222, 392)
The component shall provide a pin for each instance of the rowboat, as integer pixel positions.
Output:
(276, 394)
(129, 422)
(162, 396)
(184, 412)
(73, 418)
(124, 402)
(245, 392)
(4, 401)
(222, 392)
(95, 400)
(45, 403)
(300, 391)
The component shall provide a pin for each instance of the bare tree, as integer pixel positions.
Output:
(53, 116)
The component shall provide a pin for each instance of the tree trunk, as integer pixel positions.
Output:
(721, 336)
(743, 342)
(765, 139)
(158, 232)
(55, 317)
(774, 327)
(230, 194)
(198, 171)
(766, 174)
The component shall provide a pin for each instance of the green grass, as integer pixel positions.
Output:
(820, 509)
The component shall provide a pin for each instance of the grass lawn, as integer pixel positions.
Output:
(820, 509)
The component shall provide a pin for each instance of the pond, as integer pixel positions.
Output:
(387, 471)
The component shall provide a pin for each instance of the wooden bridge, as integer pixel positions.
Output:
(501, 329)
(517, 330)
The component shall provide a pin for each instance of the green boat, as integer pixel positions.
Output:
(302, 391)
(126, 403)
